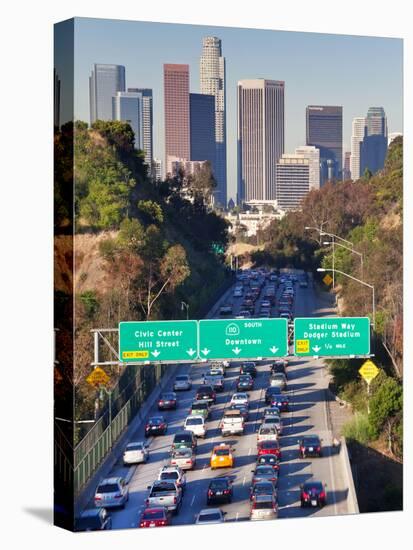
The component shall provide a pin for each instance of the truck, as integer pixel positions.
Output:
(232, 423)
(164, 493)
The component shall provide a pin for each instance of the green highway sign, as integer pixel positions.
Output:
(157, 341)
(242, 338)
(330, 336)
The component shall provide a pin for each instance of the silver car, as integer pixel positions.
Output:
(182, 382)
(278, 380)
(210, 515)
(135, 453)
(184, 458)
(112, 492)
(273, 420)
(263, 507)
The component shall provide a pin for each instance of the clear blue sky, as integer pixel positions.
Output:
(321, 69)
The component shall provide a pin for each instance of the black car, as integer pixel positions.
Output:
(278, 367)
(281, 401)
(219, 490)
(309, 445)
(265, 472)
(95, 519)
(248, 368)
(156, 425)
(263, 488)
(271, 392)
(313, 493)
(167, 401)
(269, 460)
(242, 408)
(245, 382)
(206, 392)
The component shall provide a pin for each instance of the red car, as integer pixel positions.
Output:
(155, 517)
(269, 447)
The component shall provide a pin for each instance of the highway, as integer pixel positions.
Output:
(308, 415)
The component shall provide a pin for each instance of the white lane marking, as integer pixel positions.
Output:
(236, 517)
(249, 451)
(243, 481)
(192, 501)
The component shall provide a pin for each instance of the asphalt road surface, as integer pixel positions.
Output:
(308, 415)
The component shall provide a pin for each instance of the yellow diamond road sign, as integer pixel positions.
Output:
(97, 377)
(369, 371)
(327, 279)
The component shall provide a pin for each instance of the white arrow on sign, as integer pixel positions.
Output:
(274, 349)
(205, 351)
(190, 352)
(156, 353)
(316, 349)
(236, 350)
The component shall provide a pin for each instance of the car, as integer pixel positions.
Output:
(196, 424)
(313, 493)
(264, 472)
(273, 420)
(222, 457)
(279, 380)
(94, 519)
(164, 493)
(155, 517)
(269, 446)
(270, 392)
(173, 473)
(135, 452)
(240, 397)
(210, 515)
(232, 422)
(266, 431)
(249, 368)
(183, 457)
(245, 382)
(310, 445)
(200, 407)
(263, 507)
(237, 293)
(214, 380)
(167, 401)
(262, 488)
(112, 492)
(243, 409)
(269, 460)
(286, 315)
(225, 310)
(156, 425)
(278, 367)
(219, 490)
(281, 401)
(206, 392)
(215, 370)
(184, 439)
(243, 314)
(271, 411)
(182, 382)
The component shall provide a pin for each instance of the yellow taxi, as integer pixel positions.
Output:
(222, 457)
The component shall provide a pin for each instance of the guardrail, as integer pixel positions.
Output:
(352, 501)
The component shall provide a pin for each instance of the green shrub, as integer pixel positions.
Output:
(358, 428)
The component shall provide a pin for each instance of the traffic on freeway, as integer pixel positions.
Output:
(233, 441)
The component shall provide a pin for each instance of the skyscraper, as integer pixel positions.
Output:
(202, 127)
(104, 82)
(212, 80)
(293, 181)
(313, 155)
(357, 135)
(176, 107)
(373, 148)
(260, 137)
(324, 130)
(147, 124)
(157, 169)
(127, 106)
(346, 167)
(56, 99)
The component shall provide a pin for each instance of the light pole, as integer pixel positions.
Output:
(319, 229)
(347, 248)
(322, 270)
(185, 305)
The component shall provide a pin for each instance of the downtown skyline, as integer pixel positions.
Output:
(325, 75)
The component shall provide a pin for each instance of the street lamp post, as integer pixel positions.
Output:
(322, 269)
(185, 305)
(347, 248)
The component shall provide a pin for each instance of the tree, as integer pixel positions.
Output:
(131, 235)
(385, 408)
(151, 211)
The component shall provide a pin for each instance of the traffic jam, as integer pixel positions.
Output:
(207, 442)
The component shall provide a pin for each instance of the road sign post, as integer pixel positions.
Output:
(368, 372)
(242, 338)
(160, 341)
(332, 336)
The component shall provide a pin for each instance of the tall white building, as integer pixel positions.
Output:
(212, 80)
(293, 181)
(147, 123)
(260, 137)
(357, 135)
(157, 169)
(313, 155)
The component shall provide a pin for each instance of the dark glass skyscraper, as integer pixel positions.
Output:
(202, 128)
(373, 148)
(324, 130)
(104, 82)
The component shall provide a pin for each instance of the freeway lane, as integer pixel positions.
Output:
(306, 386)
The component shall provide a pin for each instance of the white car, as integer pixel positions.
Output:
(273, 420)
(182, 382)
(240, 398)
(267, 432)
(196, 424)
(173, 473)
(135, 453)
(210, 515)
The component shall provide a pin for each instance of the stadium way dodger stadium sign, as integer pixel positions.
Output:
(326, 336)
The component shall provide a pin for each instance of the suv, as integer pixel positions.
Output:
(201, 408)
(245, 382)
(219, 490)
(206, 392)
(164, 493)
(309, 445)
(112, 492)
(248, 368)
(195, 424)
(184, 439)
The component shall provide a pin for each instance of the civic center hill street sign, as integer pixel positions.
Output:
(157, 341)
(330, 336)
